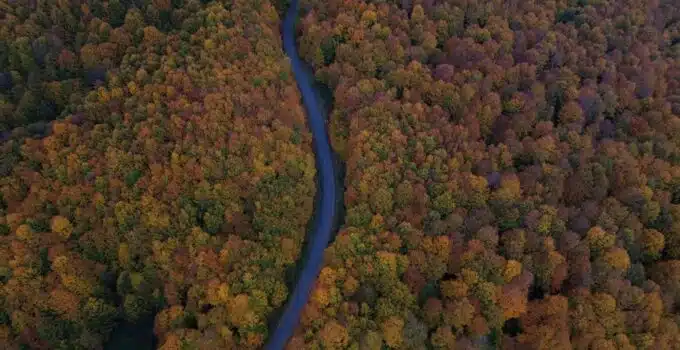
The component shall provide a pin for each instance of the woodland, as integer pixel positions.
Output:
(171, 184)
(512, 174)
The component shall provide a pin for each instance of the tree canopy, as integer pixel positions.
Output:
(512, 173)
(173, 180)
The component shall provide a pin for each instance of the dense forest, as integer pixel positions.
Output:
(171, 182)
(513, 174)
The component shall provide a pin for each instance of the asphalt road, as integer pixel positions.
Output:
(326, 204)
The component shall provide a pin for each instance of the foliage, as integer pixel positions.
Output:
(175, 180)
(518, 157)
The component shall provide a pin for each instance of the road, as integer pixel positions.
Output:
(323, 225)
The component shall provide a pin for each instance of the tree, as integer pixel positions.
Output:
(653, 243)
(415, 333)
(443, 338)
(62, 227)
(392, 331)
(545, 325)
(334, 336)
(599, 240)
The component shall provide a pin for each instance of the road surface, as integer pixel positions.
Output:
(323, 225)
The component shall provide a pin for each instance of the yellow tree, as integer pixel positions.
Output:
(392, 331)
(334, 336)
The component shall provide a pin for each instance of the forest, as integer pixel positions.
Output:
(173, 181)
(512, 174)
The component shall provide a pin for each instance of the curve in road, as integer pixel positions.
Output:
(326, 204)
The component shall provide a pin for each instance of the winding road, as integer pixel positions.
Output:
(326, 203)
